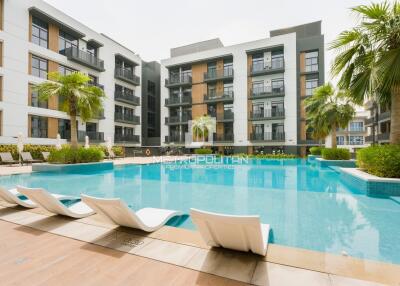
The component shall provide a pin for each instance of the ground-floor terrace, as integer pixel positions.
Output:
(45, 249)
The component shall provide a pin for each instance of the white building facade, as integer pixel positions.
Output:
(253, 90)
(37, 39)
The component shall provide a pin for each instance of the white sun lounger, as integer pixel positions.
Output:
(12, 196)
(243, 233)
(147, 219)
(50, 203)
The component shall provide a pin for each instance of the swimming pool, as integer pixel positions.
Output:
(306, 206)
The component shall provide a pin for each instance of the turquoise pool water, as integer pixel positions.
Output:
(306, 206)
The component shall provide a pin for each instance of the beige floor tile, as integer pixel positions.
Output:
(169, 252)
(345, 281)
(180, 235)
(271, 274)
(14, 214)
(230, 264)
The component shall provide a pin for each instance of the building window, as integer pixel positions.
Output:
(311, 84)
(340, 140)
(91, 50)
(35, 102)
(151, 119)
(38, 127)
(64, 128)
(312, 61)
(356, 140)
(228, 88)
(66, 41)
(357, 126)
(65, 70)
(40, 32)
(39, 67)
(151, 87)
(277, 59)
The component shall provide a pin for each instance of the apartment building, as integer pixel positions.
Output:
(254, 90)
(36, 39)
(378, 122)
(355, 135)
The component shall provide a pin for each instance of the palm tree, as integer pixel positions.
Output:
(328, 110)
(202, 126)
(368, 59)
(78, 97)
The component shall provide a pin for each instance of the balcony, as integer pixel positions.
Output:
(226, 116)
(357, 130)
(384, 137)
(384, 116)
(96, 85)
(177, 80)
(267, 92)
(263, 68)
(176, 120)
(84, 58)
(126, 75)
(222, 138)
(178, 101)
(309, 140)
(369, 139)
(128, 98)
(267, 114)
(218, 74)
(370, 121)
(213, 97)
(126, 118)
(126, 138)
(175, 139)
(93, 136)
(268, 136)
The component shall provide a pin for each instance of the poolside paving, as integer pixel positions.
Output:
(54, 247)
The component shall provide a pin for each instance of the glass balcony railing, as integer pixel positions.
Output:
(267, 91)
(127, 75)
(217, 74)
(128, 98)
(126, 118)
(267, 136)
(127, 138)
(267, 114)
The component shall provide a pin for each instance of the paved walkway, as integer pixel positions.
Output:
(17, 169)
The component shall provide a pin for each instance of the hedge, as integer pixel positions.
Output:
(316, 150)
(67, 155)
(203, 151)
(382, 160)
(335, 154)
(35, 150)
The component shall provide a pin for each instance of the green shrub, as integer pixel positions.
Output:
(335, 154)
(316, 150)
(267, 156)
(382, 161)
(35, 150)
(203, 151)
(118, 150)
(66, 155)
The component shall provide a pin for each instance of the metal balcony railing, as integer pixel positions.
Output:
(179, 79)
(268, 136)
(219, 97)
(229, 137)
(177, 101)
(262, 67)
(217, 74)
(126, 118)
(128, 98)
(127, 138)
(84, 58)
(267, 114)
(178, 119)
(126, 75)
(267, 91)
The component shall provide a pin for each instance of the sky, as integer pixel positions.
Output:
(150, 28)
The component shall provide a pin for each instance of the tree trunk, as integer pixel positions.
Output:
(74, 128)
(74, 132)
(395, 116)
(333, 139)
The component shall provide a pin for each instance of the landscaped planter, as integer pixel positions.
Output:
(73, 168)
(336, 163)
(372, 185)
